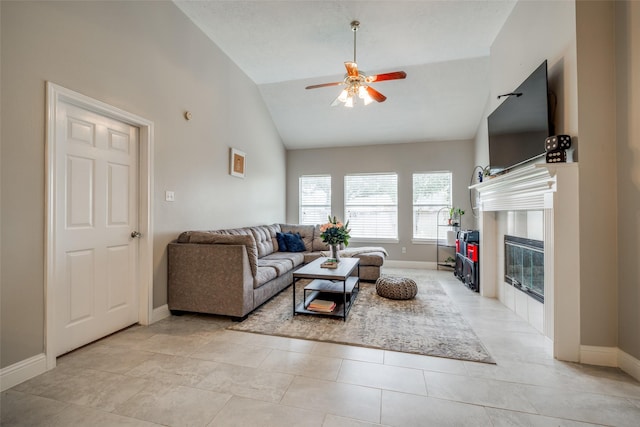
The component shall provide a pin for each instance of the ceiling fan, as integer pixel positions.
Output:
(357, 83)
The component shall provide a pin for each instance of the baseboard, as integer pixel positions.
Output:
(410, 264)
(22, 371)
(160, 313)
(600, 356)
(629, 364)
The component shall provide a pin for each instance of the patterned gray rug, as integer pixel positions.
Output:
(429, 325)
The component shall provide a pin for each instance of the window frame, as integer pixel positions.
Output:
(437, 207)
(301, 206)
(348, 204)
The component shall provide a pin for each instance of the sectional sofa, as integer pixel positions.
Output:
(231, 272)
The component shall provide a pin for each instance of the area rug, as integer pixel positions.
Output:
(429, 324)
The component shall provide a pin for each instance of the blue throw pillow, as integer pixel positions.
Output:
(293, 242)
(282, 245)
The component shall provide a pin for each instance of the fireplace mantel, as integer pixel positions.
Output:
(553, 189)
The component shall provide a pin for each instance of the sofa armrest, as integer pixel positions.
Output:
(210, 278)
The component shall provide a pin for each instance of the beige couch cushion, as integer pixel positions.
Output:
(318, 244)
(305, 231)
(214, 237)
(265, 236)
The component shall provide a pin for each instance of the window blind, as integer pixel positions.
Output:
(371, 205)
(431, 192)
(315, 199)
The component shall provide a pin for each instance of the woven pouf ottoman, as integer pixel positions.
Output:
(396, 287)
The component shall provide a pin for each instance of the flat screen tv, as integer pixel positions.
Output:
(520, 125)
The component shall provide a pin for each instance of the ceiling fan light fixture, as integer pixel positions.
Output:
(355, 82)
(364, 95)
(349, 102)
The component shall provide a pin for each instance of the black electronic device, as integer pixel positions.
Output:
(519, 126)
(557, 142)
(467, 264)
(472, 236)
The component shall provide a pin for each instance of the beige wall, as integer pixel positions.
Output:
(149, 59)
(628, 162)
(598, 199)
(404, 159)
(534, 31)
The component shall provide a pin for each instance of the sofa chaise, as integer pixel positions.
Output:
(231, 272)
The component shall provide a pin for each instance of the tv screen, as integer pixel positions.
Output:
(520, 125)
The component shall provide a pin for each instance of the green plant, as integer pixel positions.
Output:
(449, 260)
(455, 215)
(334, 232)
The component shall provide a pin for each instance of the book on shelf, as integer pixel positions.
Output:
(322, 306)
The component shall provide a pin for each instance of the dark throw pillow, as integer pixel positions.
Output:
(282, 244)
(293, 242)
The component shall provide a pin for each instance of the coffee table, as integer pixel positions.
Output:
(336, 285)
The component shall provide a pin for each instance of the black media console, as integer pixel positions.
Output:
(467, 267)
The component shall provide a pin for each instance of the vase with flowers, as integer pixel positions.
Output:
(335, 233)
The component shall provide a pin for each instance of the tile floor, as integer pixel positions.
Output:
(190, 371)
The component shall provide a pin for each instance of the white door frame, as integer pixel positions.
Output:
(55, 95)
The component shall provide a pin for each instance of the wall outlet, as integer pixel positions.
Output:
(404, 250)
(169, 196)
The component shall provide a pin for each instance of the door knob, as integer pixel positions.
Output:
(135, 234)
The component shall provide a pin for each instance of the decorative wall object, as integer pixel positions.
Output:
(237, 163)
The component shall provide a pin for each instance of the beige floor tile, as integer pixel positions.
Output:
(347, 400)
(192, 360)
(427, 363)
(129, 337)
(408, 410)
(348, 352)
(232, 353)
(479, 391)
(84, 387)
(176, 345)
(190, 325)
(587, 407)
(247, 382)
(80, 416)
(279, 343)
(105, 358)
(302, 364)
(336, 421)
(248, 412)
(505, 418)
(177, 370)
(407, 380)
(22, 409)
(174, 406)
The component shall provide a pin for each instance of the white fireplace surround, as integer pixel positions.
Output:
(552, 188)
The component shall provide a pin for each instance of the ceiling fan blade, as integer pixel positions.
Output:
(375, 94)
(352, 69)
(324, 85)
(396, 75)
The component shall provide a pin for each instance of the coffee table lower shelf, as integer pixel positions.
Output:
(331, 291)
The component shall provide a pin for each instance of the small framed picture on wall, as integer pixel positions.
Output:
(237, 163)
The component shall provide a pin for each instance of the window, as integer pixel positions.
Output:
(371, 205)
(315, 199)
(431, 192)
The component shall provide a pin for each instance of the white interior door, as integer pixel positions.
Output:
(96, 204)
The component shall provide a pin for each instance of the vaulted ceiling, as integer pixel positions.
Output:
(284, 46)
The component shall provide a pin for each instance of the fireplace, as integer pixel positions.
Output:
(524, 265)
(552, 188)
